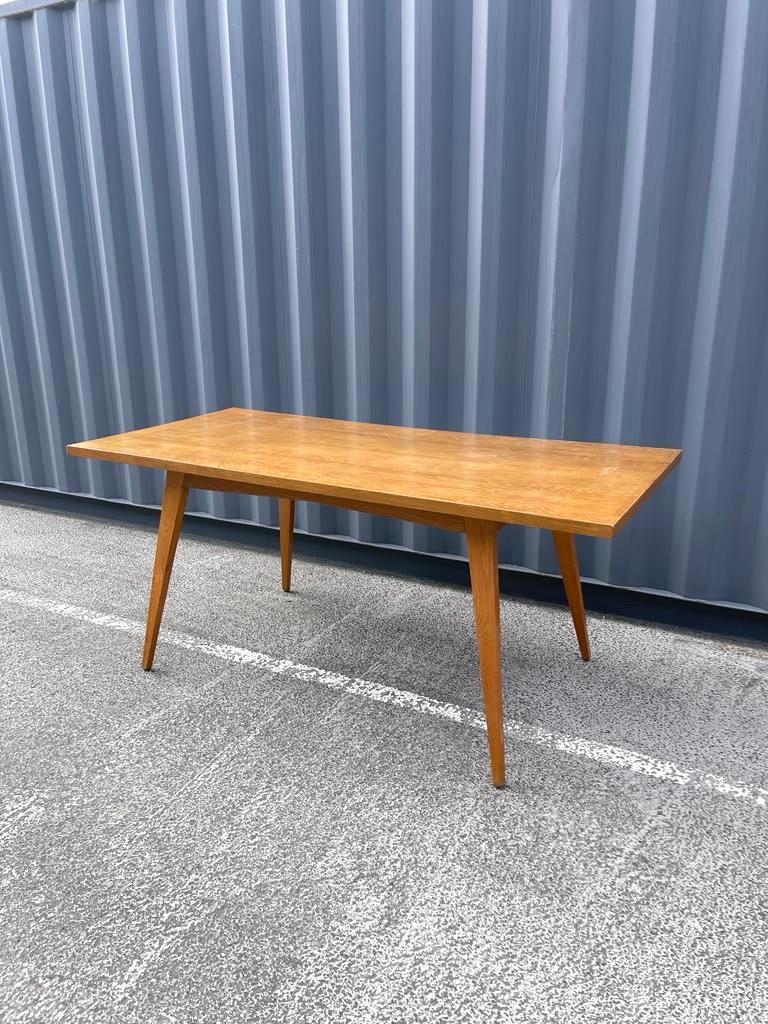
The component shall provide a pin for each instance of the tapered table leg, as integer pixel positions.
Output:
(287, 508)
(569, 566)
(482, 543)
(171, 517)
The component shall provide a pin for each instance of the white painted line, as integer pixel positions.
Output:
(615, 757)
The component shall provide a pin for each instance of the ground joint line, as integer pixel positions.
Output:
(606, 754)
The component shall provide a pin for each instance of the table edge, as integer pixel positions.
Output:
(592, 528)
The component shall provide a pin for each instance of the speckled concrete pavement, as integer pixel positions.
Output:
(246, 837)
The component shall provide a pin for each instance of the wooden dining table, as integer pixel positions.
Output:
(472, 483)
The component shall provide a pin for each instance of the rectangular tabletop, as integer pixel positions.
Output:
(562, 485)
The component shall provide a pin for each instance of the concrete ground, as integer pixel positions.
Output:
(291, 819)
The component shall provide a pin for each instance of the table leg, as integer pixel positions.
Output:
(287, 508)
(569, 566)
(171, 517)
(482, 543)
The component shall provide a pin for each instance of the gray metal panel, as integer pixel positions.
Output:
(537, 218)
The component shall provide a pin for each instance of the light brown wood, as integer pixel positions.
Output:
(287, 508)
(569, 566)
(171, 518)
(455, 481)
(208, 483)
(482, 545)
(561, 485)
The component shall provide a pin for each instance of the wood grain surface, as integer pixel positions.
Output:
(569, 486)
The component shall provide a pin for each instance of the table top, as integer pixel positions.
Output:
(572, 486)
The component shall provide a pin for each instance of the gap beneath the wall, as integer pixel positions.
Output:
(733, 621)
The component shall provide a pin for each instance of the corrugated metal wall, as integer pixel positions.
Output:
(542, 218)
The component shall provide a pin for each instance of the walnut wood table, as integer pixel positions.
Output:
(473, 483)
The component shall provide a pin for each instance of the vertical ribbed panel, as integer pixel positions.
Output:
(539, 218)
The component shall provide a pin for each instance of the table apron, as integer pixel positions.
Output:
(439, 519)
